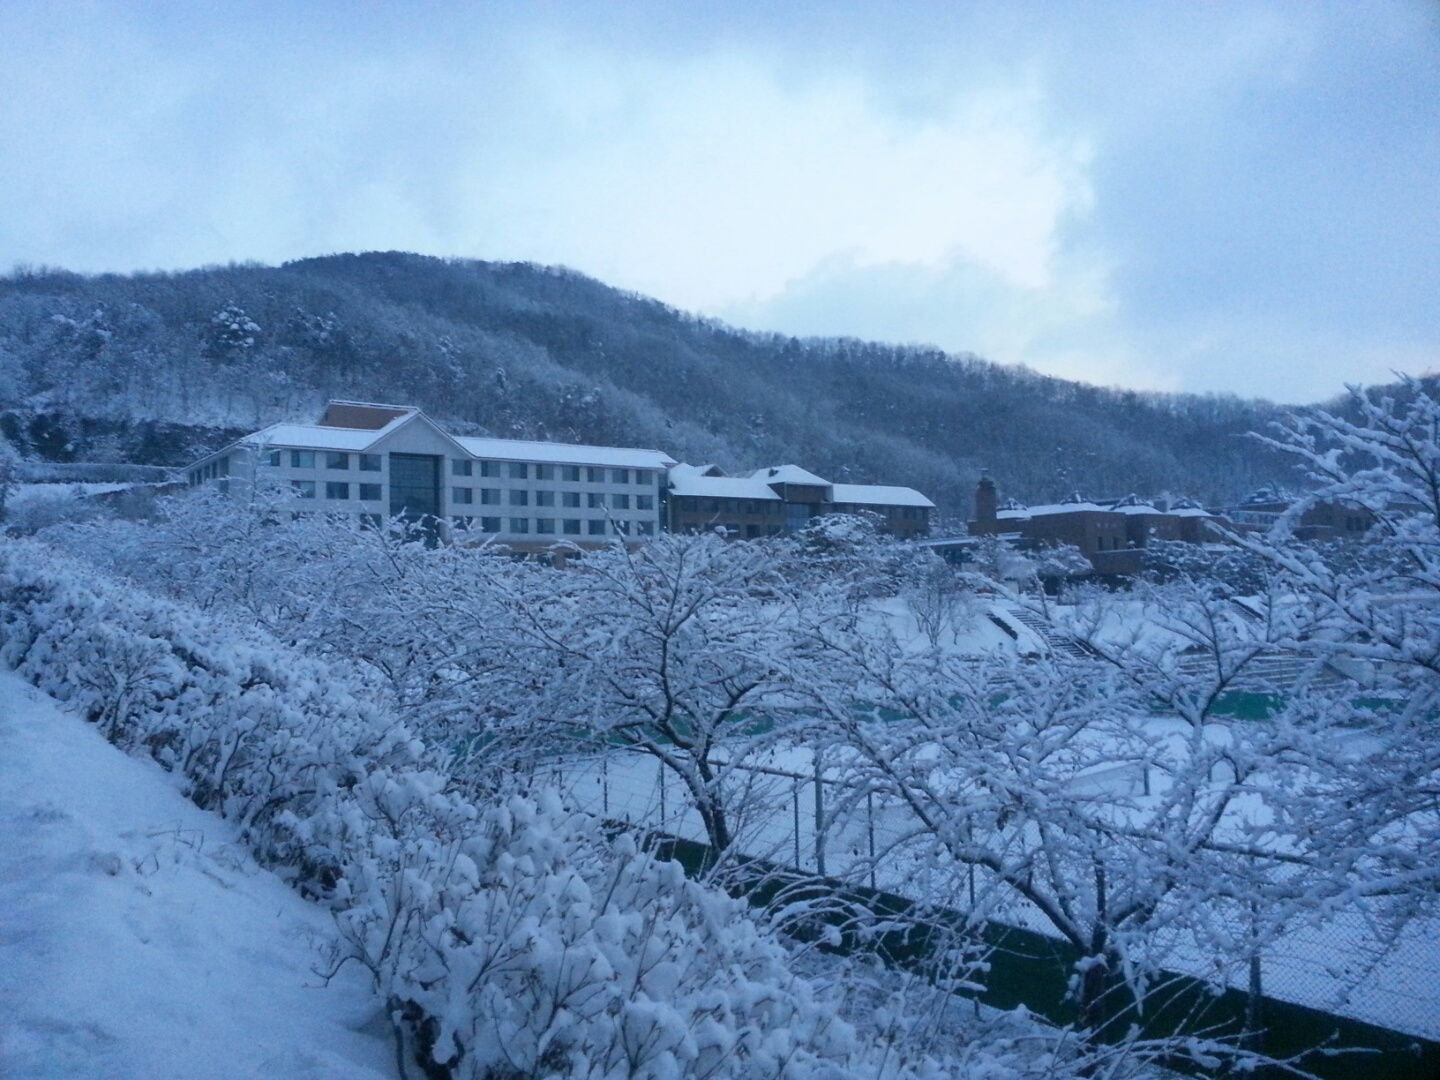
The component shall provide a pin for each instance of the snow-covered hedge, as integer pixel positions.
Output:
(514, 939)
(265, 736)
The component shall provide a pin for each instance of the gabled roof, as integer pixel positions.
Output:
(789, 474)
(323, 437)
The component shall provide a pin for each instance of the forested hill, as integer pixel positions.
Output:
(154, 367)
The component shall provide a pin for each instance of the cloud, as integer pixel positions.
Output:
(715, 181)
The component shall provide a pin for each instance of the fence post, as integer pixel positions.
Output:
(819, 822)
(660, 765)
(605, 784)
(870, 831)
(795, 807)
(1254, 1003)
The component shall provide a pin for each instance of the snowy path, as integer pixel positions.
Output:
(139, 941)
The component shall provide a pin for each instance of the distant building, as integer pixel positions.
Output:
(1112, 534)
(781, 499)
(382, 461)
(1335, 519)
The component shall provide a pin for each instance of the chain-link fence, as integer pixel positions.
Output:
(794, 813)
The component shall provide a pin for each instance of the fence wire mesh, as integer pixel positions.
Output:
(1350, 963)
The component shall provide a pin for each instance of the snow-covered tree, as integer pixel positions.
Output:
(1109, 797)
(678, 648)
(1375, 613)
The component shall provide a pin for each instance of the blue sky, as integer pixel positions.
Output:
(1239, 198)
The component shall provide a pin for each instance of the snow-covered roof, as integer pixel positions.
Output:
(624, 457)
(790, 474)
(696, 470)
(684, 480)
(1063, 508)
(315, 437)
(879, 495)
(321, 437)
(1132, 505)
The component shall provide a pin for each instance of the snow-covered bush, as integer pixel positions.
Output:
(541, 947)
(263, 735)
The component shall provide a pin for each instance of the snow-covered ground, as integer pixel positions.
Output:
(138, 940)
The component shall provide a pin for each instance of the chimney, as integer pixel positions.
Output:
(985, 500)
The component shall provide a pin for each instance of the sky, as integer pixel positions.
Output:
(1204, 197)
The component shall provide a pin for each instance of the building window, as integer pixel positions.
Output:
(337, 489)
(369, 462)
(620, 502)
(544, 525)
(621, 528)
(519, 525)
(645, 528)
(519, 470)
(570, 473)
(544, 498)
(304, 489)
(644, 476)
(619, 476)
(570, 498)
(597, 527)
(595, 500)
(336, 459)
(302, 459)
(272, 458)
(752, 532)
(595, 475)
(370, 493)
(490, 468)
(490, 524)
(644, 502)
(462, 522)
(461, 467)
(544, 472)
(571, 526)
(519, 497)
(462, 495)
(490, 496)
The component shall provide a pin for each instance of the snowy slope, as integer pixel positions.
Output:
(139, 941)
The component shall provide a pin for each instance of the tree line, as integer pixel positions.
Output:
(156, 367)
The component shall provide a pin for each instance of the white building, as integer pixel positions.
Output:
(386, 460)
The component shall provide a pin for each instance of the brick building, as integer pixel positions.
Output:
(778, 500)
(1112, 534)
